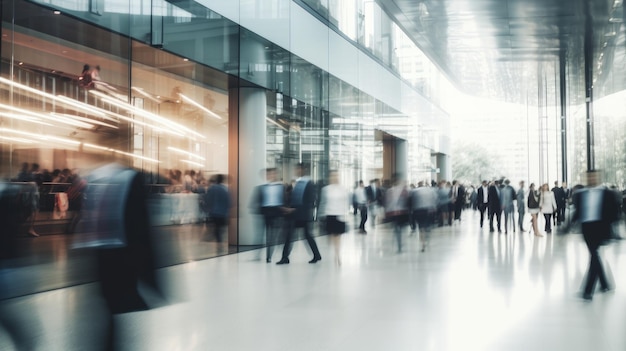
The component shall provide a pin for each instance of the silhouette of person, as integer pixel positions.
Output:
(300, 213)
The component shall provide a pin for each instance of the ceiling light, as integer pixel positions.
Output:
(56, 12)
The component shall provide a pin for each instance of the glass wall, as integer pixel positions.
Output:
(157, 86)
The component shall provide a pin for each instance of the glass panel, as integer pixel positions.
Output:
(319, 6)
(343, 14)
(264, 63)
(199, 34)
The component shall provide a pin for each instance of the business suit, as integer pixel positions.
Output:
(302, 202)
(495, 206)
(481, 203)
(218, 202)
(459, 200)
(596, 228)
(374, 199)
(269, 203)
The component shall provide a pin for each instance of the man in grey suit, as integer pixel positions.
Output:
(300, 213)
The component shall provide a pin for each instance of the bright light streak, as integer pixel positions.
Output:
(19, 140)
(87, 120)
(209, 112)
(275, 123)
(186, 153)
(143, 92)
(104, 148)
(41, 136)
(24, 118)
(82, 106)
(155, 118)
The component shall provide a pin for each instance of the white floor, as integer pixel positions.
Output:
(470, 290)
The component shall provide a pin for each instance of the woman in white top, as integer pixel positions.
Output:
(334, 204)
(547, 203)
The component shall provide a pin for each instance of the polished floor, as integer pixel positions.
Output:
(470, 290)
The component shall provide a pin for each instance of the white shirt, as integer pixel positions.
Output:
(361, 199)
(485, 194)
(547, 202)
(334, 201)
(272, 194)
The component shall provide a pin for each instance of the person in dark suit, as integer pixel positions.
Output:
(596, 209)
(125, 253)
(495, 205)
(482, 200)
(300, 214)
(218, 203)
(458, 199)
(269, 203)
(374, 195)
(559, 196)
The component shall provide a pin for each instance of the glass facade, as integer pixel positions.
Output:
(182, 93)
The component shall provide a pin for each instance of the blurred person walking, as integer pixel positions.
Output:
(547, 204)
(458, 199)
(374, 194)
(559, 198)
(495, 205)
(596, 209)
(300, 214)
(424, 202)
(507, 198)
(396, 207)
(562, 198)
(443, 203)
(333, 208)
(521, 206)
(269, 203)
(18, 320)
(217, 200)
(533, 208)
(360, 197)
(482, 200)
(119, 230)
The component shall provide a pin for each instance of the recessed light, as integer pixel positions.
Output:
(185, 59)
(57, 12)
(21, 63)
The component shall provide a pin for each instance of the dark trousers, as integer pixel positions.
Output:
(548, 217)
(458, 207)
(560, 214)
(498, 215)
(271, 233)
(482, 208)
(520, 219)
(218, 227)
(593, 233)
(305, 225)
(363, 211)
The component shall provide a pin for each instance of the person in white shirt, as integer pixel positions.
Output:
(360, 198)
(547, 204)
(334, 204)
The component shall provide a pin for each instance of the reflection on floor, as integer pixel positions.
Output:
(49, 262)
(470, 290)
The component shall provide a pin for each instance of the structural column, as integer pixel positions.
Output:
(246, 160)
(563, 98)
(588, 47)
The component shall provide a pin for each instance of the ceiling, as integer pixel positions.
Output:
(506, 49)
